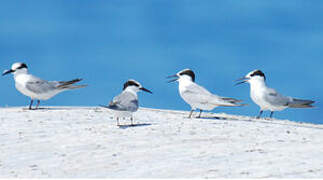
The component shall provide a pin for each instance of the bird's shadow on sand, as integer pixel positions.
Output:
(50, 108)
(262, 120)
(213, 118)
(125, 126)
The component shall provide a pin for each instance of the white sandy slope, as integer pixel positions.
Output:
(84, 142)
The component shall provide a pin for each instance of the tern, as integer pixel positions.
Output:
(36, 88)
(126, 103)
(197, 96)
(267, 98)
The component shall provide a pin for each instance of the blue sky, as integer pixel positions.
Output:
(108, 42)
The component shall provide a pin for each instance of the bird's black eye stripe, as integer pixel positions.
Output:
(23, 65)
(130, 83)
(189, 73)
(258, 73)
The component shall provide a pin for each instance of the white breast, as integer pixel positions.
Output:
(258, 98)
(21, 82)
(258, 95)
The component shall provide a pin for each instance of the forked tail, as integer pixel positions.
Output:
(233, 105)
(229, 102)
(300, 103)
(69, 84)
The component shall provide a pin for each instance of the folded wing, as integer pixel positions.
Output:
(39, 86)
(126, 101)
(199, 94)
(275, 98)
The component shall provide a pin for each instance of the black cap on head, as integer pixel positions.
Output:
(23, 65)
(258, 73)
(189, 73)
(130, 83)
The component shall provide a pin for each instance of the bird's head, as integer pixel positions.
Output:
(253, 76)
(187, 74)
(16, 68)
(135, 86)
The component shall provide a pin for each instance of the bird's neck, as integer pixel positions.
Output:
(257, 84)
(19, 73)
(132, 90)
(183, 83)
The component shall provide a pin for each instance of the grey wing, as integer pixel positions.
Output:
(232, 100)
(226, 101)
(199, 90)
(40, 86)
(124, 102)
(275, 98)
(199, 94)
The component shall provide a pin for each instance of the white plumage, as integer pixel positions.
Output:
(126, 103)
(197, 96)
(36, 88)
(269, 99)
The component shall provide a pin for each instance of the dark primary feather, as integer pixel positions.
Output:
(300, 103)
(63, 84)
(273, 94)
(232, 100)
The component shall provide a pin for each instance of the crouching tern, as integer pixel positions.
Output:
(36, 88)
(126, 103)
(197, 96)
(268, 98)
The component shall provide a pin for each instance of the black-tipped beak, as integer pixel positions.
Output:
(172, 80)
(242, 80)
(7, 72)
(144, 89)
